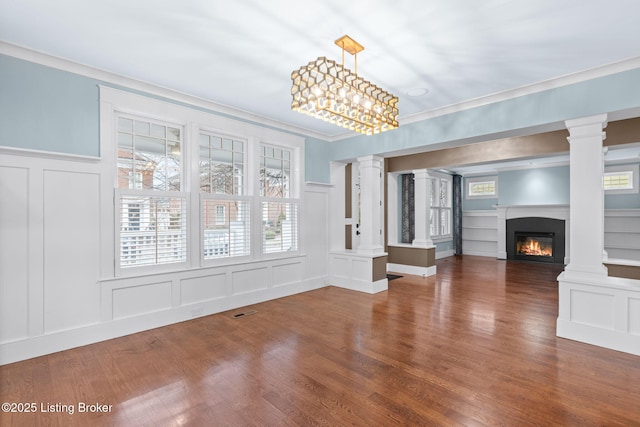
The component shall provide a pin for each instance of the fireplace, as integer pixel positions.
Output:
(536, 239)
(532, 246)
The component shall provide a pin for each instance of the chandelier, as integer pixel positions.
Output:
(329, 91)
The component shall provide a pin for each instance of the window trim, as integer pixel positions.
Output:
(631, 168)
(439, 178)
(480, 180)
(193, 121)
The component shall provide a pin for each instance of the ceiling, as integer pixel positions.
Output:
(240, 53)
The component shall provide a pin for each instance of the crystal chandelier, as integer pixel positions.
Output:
(331, 92)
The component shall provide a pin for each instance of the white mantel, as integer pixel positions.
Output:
(506, 212)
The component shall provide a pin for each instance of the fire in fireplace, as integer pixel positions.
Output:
(534, 246)
(535, 239)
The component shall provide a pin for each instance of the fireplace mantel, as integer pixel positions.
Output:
(524, 211)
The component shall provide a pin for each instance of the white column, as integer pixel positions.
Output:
(422, 184)
(586, 233)
(370, 205)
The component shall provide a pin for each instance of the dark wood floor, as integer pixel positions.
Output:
(474, 345)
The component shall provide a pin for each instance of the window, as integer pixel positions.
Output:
(189, 194)
(620, 179)
(220, 216)
(485, 188)
(225, 211)
(221, 165)
(226, 228)
(148, 155)
(440, 211)
(482, 187)
(152, 230)
(440, 214)
(149, 179)
(279, 211)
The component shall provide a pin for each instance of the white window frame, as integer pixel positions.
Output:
(292, 197)
(618, 170)
(121, 267)
(241, 195)
(439, 178)
(192, 121)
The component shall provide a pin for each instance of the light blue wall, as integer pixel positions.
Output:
(541, 186)
(444, 246)
(46, 109)
(622, 201)
(478, 203)
(316, 166)
(617, 92)
(42, 108)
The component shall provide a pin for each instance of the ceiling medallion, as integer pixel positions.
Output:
(330, 92)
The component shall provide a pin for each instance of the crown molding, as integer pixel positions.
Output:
(63, 64)
(109, 77)
(556, 82)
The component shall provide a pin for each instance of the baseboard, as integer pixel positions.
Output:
(482, 253)
(614, 340)
(411, 269)
(28, 348)
(360, 285)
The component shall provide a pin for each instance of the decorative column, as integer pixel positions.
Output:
(586, 233)
(422, 185)
(370, 205)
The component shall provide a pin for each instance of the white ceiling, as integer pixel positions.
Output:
(240, 53)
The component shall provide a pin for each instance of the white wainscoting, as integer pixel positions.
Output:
(351, 270)
(53, 295)
(601, 311)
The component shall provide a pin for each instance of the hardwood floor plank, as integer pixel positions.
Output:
(473, 345)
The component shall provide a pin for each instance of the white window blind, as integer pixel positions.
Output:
(152, 230)
(279, 227)
(229, 236)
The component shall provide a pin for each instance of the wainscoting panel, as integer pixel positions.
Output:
(340, 266)
(634, 315)
(249, 280)
(287, 273)
(204, 288)
(593, 308)
(316, 215)
(71, 249)
(14, 251)
(137, 300)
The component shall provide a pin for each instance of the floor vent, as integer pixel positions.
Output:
(243, 314)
